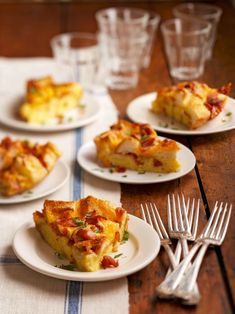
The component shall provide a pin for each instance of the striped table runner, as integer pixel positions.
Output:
(21, 289)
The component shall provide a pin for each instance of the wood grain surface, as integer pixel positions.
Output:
(26, 30)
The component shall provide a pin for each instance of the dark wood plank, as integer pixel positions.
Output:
(215, 153)
(26, 29)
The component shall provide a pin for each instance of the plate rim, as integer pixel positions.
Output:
(11, 201)
(24, 126)
(152, 95)
(87, 276)
(126, 181)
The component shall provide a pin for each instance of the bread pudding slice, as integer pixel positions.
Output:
(24, 164)
(83, 231)
(136, 146)
(191, 103)
(47, 102)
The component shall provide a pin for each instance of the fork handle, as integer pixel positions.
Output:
(171, 255)
(172, 280)
(194, 296)
(187, 283)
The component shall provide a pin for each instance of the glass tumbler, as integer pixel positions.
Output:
(185, 44)
(78, 54)
(122, 40)
(206, 12)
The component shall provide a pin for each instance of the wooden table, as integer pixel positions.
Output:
(25, 31)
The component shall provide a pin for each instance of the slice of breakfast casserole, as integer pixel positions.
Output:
(136, 146)
(191, 103)
(47, 102)
(23, 164)
(83, 231)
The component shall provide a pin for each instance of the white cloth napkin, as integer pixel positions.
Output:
(23, 290)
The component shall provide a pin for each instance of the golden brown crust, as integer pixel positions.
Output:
(24, 164)
(136, 146)
(84, 231)
(191, 103)
(47, 102)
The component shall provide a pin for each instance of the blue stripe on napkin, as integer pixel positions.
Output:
(73, 301)
(8, 259)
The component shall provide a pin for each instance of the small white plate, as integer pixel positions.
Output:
(10, 103)
(87, 159)
(140, 250)
(54, 181)
(139, 110)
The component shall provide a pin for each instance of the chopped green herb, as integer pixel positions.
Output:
(144, 137)
(124, 176)
(223, 120)
(111, 170)
(141, 172)
(79, 222)
(70, 119)
(126, 235)
(118, 255)
(98, 169)
(82, 105)
(59, 255)
(228, 114)
(97, 231)
(70, 267)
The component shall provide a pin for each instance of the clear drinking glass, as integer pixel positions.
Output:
(77, 53)
(151, 29)
(207, 12)
(185, 46)
(122, 39)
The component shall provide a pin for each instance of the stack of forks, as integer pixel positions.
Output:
(180, 281)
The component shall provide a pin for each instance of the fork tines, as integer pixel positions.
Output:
(151, 215)
(177, 213)
(217, 224)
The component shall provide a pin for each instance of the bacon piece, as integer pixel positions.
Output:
(109, 262)
(148, 142)
(119, 212)
(86, 234)
(214, 104)
(146, 130)
(225, 89)
(120, 169)
(157, 163)
(94, 218)
(7, 142)
(65, 222)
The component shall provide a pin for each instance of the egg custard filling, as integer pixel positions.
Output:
(191, 103)
(83, 231)
(136, 146)
(23, 164)
(49, 103)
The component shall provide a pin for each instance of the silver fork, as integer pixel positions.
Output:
(155, 221)
(182, 225)
(213, 233)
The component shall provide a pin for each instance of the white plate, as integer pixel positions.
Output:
(140, 250)
(9, 105)
(139, 111)
(54, 181)
(88, 161)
